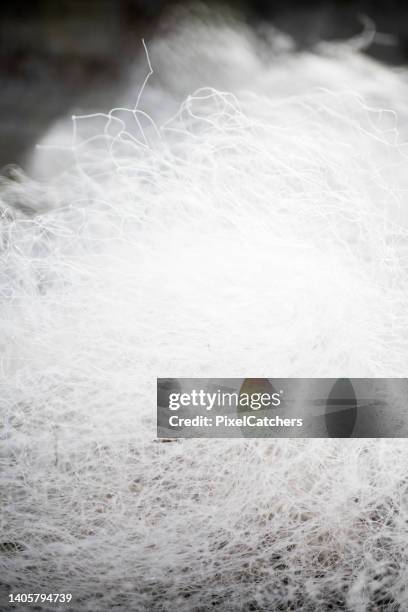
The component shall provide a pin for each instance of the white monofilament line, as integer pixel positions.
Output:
(248, 235)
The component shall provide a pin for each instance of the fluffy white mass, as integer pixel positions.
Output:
(252, 233)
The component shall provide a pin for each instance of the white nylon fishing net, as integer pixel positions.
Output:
(252, 233)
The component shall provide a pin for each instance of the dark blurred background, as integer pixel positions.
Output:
(59, 55)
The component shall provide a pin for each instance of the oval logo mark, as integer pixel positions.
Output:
(341, 409)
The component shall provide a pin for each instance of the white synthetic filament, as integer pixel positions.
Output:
(248, 234)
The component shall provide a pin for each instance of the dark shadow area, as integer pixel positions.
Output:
(61, 56)
(57, 57)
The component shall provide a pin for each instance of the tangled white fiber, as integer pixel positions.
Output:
(258, 233)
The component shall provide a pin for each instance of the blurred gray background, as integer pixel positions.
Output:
(63, 55)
